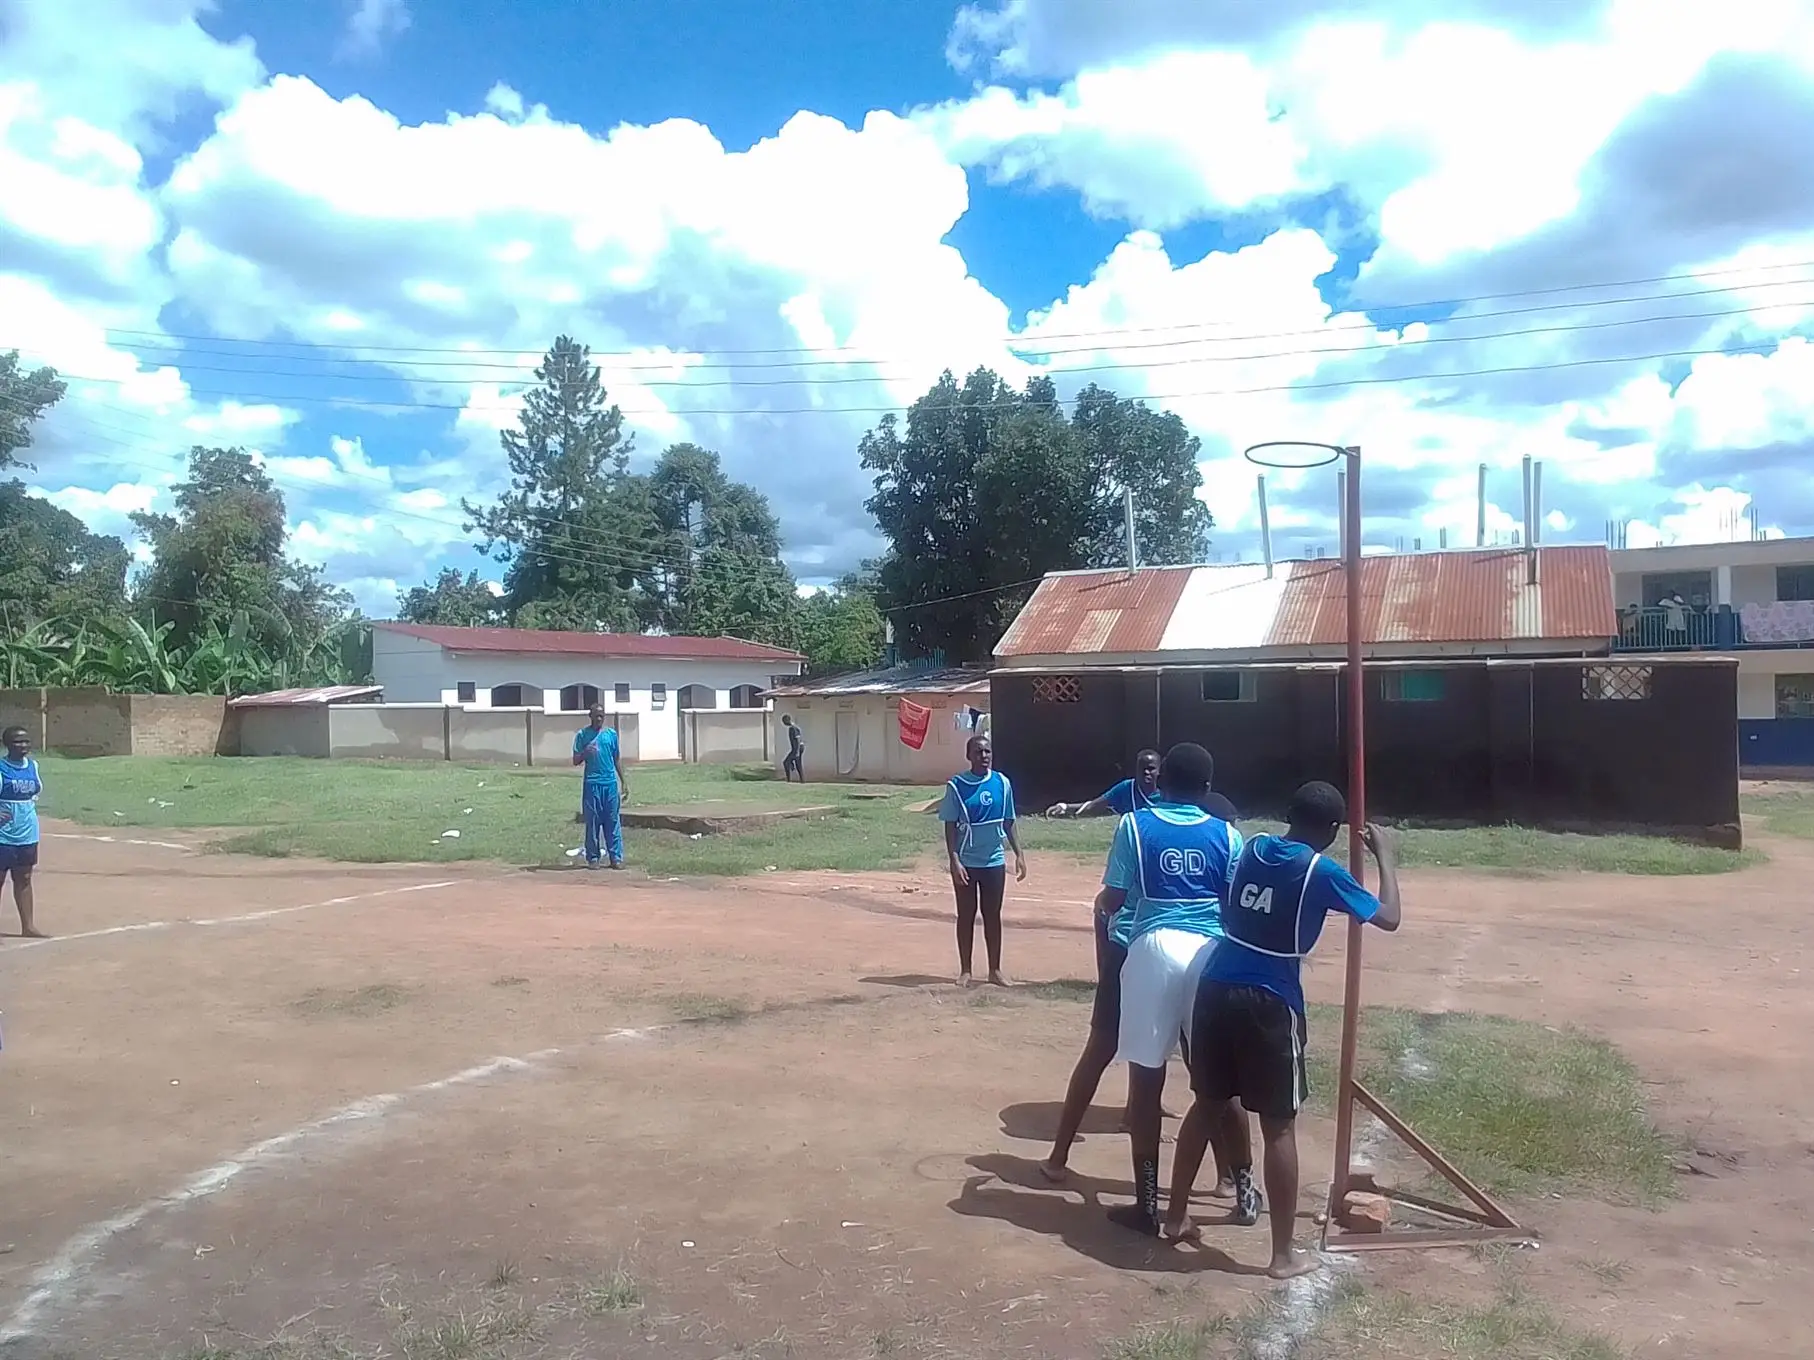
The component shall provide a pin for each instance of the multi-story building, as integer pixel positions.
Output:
(1753, 600)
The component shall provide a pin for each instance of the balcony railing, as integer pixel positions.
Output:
(1787, 623)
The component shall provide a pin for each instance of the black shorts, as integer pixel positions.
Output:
(985, 889)
(18, 857)
(1105, 1014)
(1248, 1044)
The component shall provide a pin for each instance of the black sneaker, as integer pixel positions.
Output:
(1247, 1200)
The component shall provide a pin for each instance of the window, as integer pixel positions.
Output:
(1795, 696)
(1057, 689)
(1795, 583)
(621, 693)
(467, 692)
(1615, 682)
(1228, 687)
(516, 696)
(1695, 588)
(658, 695)
(578, 698)
(746, 696)
(1411, 687)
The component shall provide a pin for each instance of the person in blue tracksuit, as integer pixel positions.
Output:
(1248, 1027)
(20, 786)
(604, 789)
(978, 813)
(1169, 866)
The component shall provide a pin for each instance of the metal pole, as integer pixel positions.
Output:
(1480, 511)
(1341, 501)
(1265, 528)
(1127, 511)
(1357, 820)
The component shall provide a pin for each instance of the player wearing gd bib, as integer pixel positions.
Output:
(1247, 1040)
(1169, 864)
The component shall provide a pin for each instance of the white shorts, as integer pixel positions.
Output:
(1159, 993)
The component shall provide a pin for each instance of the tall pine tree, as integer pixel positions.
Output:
(575, 530)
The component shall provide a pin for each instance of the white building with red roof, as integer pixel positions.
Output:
(649, 675)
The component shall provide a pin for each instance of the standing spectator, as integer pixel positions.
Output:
(978, 813)
(603, 791)
(19, 790)
(795, 762)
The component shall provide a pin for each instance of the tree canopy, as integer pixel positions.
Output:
(983, 489)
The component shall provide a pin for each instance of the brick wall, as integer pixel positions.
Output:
(24, 708)
(179, 725)
(87, 722)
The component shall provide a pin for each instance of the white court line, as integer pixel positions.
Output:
(229, 920)
(116, 840)
(65, 1272)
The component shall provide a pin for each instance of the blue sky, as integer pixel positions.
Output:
(249, 223)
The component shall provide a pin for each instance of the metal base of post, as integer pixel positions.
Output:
(1487, 1220)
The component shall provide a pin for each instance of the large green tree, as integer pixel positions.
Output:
(221, 557)
(574, 529)
(719, 553)
(452, 599)
(983, 489)
(840, 630)
(51, 566)
(25, 395)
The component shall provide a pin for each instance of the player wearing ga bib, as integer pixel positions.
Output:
(1247, 1036)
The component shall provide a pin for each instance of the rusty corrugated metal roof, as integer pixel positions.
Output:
(1096, 611)
(893, 680)
(1479, 596)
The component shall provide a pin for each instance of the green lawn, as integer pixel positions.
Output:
(376, 812)
(1522, 1108)
(1782, 812)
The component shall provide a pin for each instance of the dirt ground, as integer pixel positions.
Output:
(246, 1099)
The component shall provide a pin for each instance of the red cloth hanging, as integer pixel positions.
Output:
(915, 721)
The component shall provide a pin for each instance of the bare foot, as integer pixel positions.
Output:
(32, 933)
(1180, 1230)
(965, 980)
(1223, 1190)
(1293, 1264)
(1055, 1172)
(997, 980)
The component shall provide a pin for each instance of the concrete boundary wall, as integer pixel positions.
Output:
(93, 722)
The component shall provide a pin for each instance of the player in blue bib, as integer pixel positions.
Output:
(978, 813)
(20, 786)
(603, 790)
(1248, 1030)
(1112, 934)
(1168, 867)
(1128, 796)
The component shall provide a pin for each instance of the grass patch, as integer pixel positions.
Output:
(1512, 1326)
(1171, 1341)
(704, 1009)
(396, 811)
(1785, 812)
(1061, 989)
(615, 1293)
(1519, 1107)
(361, 1003)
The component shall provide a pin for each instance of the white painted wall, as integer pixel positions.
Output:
(414, 671)
(1757, 672)
(873, 751)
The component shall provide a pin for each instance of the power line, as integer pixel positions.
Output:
(1299, 386)
(1013, 341)
(1141, 365)
(404, 370)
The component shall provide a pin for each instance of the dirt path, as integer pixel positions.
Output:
(359, 1101)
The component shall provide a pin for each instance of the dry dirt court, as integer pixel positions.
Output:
(466, 1113)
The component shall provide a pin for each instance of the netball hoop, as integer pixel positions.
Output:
(1487, 1218)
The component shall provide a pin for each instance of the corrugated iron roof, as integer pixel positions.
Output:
(1096, 611)
(622, 646)
(1477, 596)
(893, 680)
(326, 694)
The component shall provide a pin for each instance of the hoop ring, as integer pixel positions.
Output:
(1253, 454)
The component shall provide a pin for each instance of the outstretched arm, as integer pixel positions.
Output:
(1385, 853)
